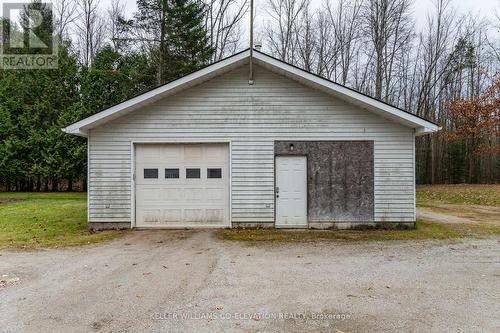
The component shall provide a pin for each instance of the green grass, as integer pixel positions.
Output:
(423, 230)
(47, 220)
(59, 219)
(485, 195)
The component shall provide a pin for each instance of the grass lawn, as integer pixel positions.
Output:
(46, 220)
(59, 219)
(469, 203)
(484, 195)
(423, 230)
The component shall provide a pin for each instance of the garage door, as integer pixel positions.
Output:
(182, 185)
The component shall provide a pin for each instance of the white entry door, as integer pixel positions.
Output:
(291, 192)
(182, 185)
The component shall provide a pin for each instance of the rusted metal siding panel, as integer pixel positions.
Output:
(252, 117)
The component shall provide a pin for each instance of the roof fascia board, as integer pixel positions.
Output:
(425, 130)
(382, 109)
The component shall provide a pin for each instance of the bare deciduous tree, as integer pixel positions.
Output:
(280, 32)
(91, 29)
(388, 27)
(326, 51)
(115, 29)
(64, 12)
(346, 22)
(305, 39)
(223, 21)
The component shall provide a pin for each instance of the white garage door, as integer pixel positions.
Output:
(182, 185)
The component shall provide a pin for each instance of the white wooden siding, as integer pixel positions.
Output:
(252, 118)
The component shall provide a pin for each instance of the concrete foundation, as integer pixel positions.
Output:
(334, 225)
(354, 225)
(109, 225)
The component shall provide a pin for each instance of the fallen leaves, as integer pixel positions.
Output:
(7, 281)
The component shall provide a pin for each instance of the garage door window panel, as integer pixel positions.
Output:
(172, 173)
(193, 173)
(150, 173)
(214, 173)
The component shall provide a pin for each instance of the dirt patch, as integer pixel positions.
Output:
(431, 215)
(8, 281)
(100, 324)
(447, 213)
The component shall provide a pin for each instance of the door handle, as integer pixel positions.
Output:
(277, 192)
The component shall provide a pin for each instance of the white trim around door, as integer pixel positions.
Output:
(291, 192)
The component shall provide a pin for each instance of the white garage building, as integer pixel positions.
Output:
(212, 150)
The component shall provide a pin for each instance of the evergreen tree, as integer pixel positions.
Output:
(33, 104)
(174, 30)
(187, 41)
(113, 78)
(43, 32)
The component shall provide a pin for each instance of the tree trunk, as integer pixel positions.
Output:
(378, 75)
(38, 183)
(70, 185)
(161, 59)
(54, 185)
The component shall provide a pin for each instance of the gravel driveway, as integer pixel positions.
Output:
(180, 281)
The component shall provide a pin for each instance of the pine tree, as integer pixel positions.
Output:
(114, 77)
(174, 32)
(187, 42)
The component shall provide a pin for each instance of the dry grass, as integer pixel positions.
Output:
(423, 230)
(432, 195)
(474, 203)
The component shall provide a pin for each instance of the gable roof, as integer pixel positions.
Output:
(383, 109)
